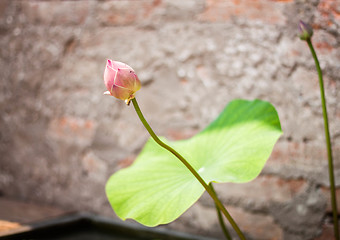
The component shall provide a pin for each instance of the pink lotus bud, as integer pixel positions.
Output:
(306, 31)
(120, 80)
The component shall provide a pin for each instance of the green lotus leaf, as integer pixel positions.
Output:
(157, 188)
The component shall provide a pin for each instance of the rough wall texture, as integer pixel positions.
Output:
(61, 138)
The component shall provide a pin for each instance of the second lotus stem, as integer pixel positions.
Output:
(328, 142)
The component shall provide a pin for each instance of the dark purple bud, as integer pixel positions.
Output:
(305, 31)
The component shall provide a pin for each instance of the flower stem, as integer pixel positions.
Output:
(328, 142)
(220, 218)
(190, 168)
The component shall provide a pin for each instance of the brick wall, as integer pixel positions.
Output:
(61, 139)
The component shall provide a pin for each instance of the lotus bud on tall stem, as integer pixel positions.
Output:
(122, 83)
(306, 33)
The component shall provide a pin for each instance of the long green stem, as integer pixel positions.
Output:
(191, 169)
(328, 142)
(220, 217)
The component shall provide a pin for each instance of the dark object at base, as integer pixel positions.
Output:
(89, 227)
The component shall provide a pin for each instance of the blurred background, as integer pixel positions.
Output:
(61, 139)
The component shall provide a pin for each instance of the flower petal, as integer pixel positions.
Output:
(109, 77)
(120, 65)
(121, 93)
(120, 80)
(109, 63)
(126, 78)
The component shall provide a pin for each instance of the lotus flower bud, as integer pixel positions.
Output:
(306, 31)
(121, 81)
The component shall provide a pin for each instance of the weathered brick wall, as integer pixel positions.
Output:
(61, 138)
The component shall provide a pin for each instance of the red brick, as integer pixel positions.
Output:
(327, 233)
(265, 11)
(55, 12)
(327, 193)
(125, 162)
(324, 46)
(329, 11)
(257, 226)
(4, 4)
(7, 226)
(307, 157)
(175, 134)
(204, 219)
(125, 12)
(72, 130)
(94, 167)
(263, 190)
(25, 212)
